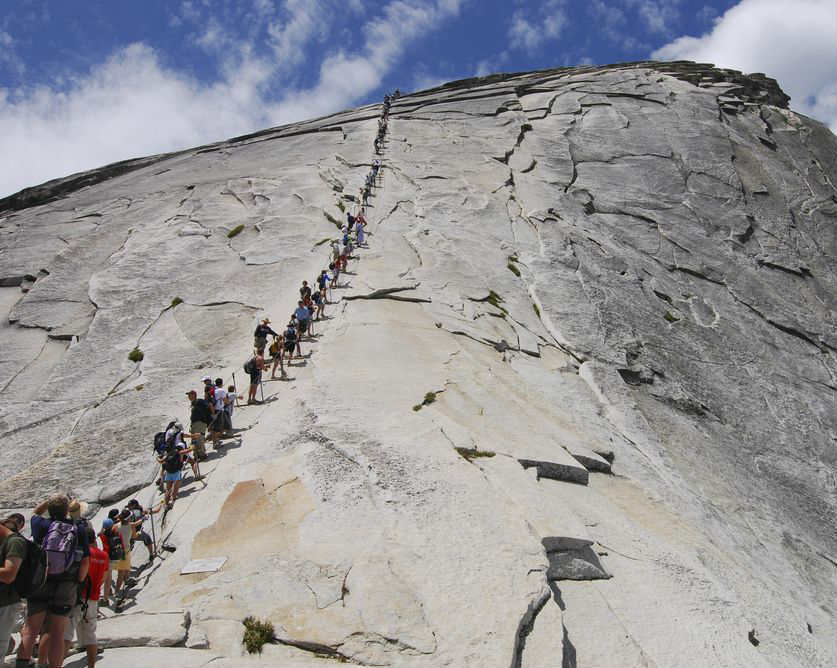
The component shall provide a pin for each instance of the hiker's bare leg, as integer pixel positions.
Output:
(28, 635)
(174, 490)
(57, 624)
(91, 655)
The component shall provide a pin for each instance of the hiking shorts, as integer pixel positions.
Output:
(256, 377)
(259, 342)
(56, 597)
(83, 624)
(172, 477)
(198, 441)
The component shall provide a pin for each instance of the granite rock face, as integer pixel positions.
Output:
(625, 269)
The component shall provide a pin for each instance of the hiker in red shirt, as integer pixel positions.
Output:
(84, 614)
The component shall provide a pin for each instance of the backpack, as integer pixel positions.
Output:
(172, 462)
(116, 551)
(159, 442)
(250, 365)
(274, 348)
(60, 546)
(32, 573)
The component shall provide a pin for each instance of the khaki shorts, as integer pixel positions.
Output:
(83, 624)
(198, 443)
(121, 564)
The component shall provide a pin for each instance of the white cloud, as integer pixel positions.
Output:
(307, 19)
(133, 105)
(529, 32)
(794, 45)
(657, 15)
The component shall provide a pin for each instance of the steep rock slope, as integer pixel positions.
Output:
(631, 263)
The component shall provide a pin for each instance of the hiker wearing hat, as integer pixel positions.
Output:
(13, 548)
(68, 559)
(113, 548)
(260, 335)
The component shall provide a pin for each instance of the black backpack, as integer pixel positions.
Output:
(160, 442)
(32, 574)
(250, 365)
(116, 550)
(172, 462)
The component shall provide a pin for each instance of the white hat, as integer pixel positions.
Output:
(206, 378)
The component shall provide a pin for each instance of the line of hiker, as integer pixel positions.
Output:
(61, 573)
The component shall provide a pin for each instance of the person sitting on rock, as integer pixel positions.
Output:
(263, 330)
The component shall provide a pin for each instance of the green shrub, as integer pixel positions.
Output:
(341, 206)
(135, 355)
(333, 220)
(321, 242)
(256, 634)
(513, 268)
(234, 231)
(176, 301)
(537, 310)
(472, 454)
(429, 398)
(670, 317)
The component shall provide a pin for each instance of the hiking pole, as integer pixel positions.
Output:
(153, 532)
(261, 387)
(236, 390)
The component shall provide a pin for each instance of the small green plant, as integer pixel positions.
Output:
(321, 242)
(513, 268)
(536, 309)
(333, 220)
(138, 388)
(494, 299)
(176, 301)
(429, 398)
(341, 206)
(256, 634)
(135, 355)
(670, 317)
(238, 229)
(470, 454)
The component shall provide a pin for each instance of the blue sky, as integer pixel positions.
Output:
(86, 83)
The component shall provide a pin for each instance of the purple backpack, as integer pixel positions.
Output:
(60, 547)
